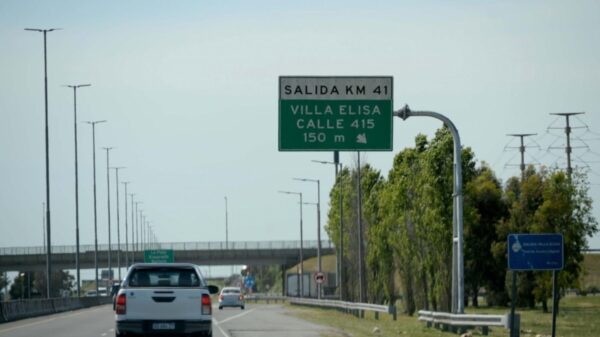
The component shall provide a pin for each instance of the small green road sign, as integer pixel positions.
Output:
(335, 113)
(159, 256)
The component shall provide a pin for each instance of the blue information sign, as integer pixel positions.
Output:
(535, 252)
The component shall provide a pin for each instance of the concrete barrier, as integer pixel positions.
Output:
(15, 310)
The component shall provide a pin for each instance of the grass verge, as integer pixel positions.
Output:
(578, 317)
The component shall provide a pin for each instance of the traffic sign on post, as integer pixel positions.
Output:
(535, 252)
(159, 256)
(335, 113)
(319, 277)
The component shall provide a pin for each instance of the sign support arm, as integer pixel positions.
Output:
(457, 219)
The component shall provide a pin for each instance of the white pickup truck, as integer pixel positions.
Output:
(164, 298)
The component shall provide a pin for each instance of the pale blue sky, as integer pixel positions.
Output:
(190, 92)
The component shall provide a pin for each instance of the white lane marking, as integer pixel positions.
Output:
(47, 320)
(220, 329)
(234, 317)
(104, 334)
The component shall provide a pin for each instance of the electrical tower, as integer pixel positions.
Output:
(521, 149)
(568, 129)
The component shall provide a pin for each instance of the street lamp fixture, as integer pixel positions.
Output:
(340, 259)
(110, 274)
(48, 245)
(118, 219)
(93, 124)
(318, 227)
(77, 265)
(301, 271)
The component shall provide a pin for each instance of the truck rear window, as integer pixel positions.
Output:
(164, 277)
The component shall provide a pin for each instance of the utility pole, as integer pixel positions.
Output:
(118, 219)
(338, 175)
(318, 204)
(340, 256)
(513, 301)
(300, 283)
(568, 129)
(126, 228)
(77, 266)
(522, 150)
(226, 226)
(458, 279)
(44, 225)
(48, 241)
(361, 248)
(132, 229)
(568, 150)
(93, 124)
(110, 274)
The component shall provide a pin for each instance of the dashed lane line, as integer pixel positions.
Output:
(236, 316)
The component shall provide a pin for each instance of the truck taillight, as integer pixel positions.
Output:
(206, 305)
(241, 297)
(121, 307)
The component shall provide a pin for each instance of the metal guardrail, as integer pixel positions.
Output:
(218, 245)
(358, 309)
(460, 322)
(15, 310)
(265, 298)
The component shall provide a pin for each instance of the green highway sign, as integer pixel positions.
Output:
(324, 113)
(159, 256)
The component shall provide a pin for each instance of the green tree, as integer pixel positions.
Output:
(268, 278)
(565, 209)
(22, 286)
(399, 198)
(62, 283)
(547, 202)
(417, 211)
(346, 184)
(484, 209)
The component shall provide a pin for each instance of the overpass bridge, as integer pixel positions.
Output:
(283, 253)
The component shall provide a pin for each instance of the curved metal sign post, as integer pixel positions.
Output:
(458, 278)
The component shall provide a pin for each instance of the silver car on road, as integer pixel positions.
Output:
(231, 297)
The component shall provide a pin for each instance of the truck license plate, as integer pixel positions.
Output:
(163, 326)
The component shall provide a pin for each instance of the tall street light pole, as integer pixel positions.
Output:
(110, 274)
(148, 229)
(132, 231)
(117, 168)
(340, 271)
(226, 224)
(140, 233)
(227, 229)
(77, 266)
(318, 227)
(48, 245)
(126, 228)
(137, 225)
(362, 288)
(301, 272)
(141, 230)
(93, 124)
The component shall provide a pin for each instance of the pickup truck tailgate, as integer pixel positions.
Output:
(164, 304)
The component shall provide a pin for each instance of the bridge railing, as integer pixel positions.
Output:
(208, 245)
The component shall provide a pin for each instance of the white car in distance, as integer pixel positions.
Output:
(164, 298)
(231, 297)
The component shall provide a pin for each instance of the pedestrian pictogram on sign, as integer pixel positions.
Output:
(319, 277)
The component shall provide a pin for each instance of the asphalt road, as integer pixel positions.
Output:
(257, 320)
